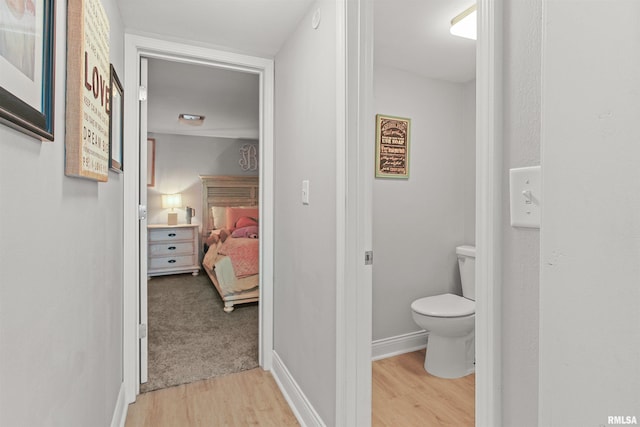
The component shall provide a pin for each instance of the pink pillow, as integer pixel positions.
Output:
(250, 231)
(245, 221)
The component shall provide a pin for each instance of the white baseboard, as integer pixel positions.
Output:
(120, 411)
(300, 405)
(400, 344)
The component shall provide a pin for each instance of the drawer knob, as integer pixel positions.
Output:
(172, 234)
(171, 261)
(172, 248)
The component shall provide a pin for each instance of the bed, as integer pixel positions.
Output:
(230, 233)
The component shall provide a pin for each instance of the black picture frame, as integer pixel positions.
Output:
(116, 122)
(16, 112)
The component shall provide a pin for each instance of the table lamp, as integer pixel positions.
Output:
(172, 201)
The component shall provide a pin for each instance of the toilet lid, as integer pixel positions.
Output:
(445, 305)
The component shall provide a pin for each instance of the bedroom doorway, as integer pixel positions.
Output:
(200, 326)
(136, 49)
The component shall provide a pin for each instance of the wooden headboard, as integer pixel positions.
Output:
(223, 191)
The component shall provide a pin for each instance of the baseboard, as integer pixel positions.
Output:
(400, 344)
(120, 411)
(300, 405)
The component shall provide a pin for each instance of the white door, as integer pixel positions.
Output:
(144, 149)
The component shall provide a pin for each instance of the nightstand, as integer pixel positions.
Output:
(173, 249)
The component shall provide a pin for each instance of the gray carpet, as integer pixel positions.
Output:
(191, 338)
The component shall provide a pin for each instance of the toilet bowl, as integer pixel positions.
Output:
(450, 322)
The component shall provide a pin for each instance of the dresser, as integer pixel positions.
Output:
(173, 249)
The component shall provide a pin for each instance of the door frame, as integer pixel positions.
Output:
(355, 121)
(140, 46)
(489, 213)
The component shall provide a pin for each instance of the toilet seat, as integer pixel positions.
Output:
(445, 305)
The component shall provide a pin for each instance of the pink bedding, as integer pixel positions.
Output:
(234, 214)
(244, 255)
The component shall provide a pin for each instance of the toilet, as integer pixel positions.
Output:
(450, 321)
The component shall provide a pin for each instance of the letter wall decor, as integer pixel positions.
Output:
(88, 91)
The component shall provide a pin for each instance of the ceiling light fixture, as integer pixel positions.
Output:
(465, 24)
(191, 119)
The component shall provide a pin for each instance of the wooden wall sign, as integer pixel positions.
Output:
(393, 135)
(88, 92)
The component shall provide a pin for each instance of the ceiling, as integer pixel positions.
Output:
(411, 35)
(228, 99)
(257, 27)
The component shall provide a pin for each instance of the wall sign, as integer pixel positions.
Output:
(88, 91)
(392, 146)
(248, 157)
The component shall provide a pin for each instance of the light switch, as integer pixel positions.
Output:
(305, 192)
(525, 197)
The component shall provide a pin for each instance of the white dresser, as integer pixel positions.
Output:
(173, 249)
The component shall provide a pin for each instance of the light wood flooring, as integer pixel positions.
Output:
(404, 395)
(249, 398)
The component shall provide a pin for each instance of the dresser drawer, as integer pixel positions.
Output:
(170, 234)
(171, 249)
(172, 262)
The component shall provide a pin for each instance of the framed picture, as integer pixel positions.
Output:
(88, 92)
(27, 63)
(116, 131)
(151, 162)
(393, 135)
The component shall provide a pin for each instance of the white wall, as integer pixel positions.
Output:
(179, 162)
(468, 167)
(520, 257)
(417, 223)
(60, 274)
(305, 239)
(590, 235)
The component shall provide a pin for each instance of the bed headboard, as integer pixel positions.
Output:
(225, 191)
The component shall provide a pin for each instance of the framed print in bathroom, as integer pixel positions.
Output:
(88, 93)
(393, 135)
(116, 131)
(27, 62)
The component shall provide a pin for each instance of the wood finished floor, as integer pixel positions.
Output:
(404, 395)
(249, 398)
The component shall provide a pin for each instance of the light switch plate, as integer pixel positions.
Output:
(525, 196)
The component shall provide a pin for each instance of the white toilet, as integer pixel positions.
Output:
(450, 321)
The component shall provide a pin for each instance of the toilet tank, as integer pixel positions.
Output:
(467, 265)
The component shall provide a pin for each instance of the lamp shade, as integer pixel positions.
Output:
(171, 201)
(465, 24)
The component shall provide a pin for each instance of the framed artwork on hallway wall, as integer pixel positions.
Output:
(27, 64)
(151, 162)
(88, 91)
(393, 135)
(116, 131)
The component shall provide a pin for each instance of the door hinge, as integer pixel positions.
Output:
(142, 212)
(368, 258)
(142, 331)
(142, 93)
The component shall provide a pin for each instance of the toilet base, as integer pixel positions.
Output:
(450, 357)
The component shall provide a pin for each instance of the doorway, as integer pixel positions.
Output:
(189, 336)
(135, 266)
(488, 197)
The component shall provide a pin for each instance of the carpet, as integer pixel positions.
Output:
(191, 338)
